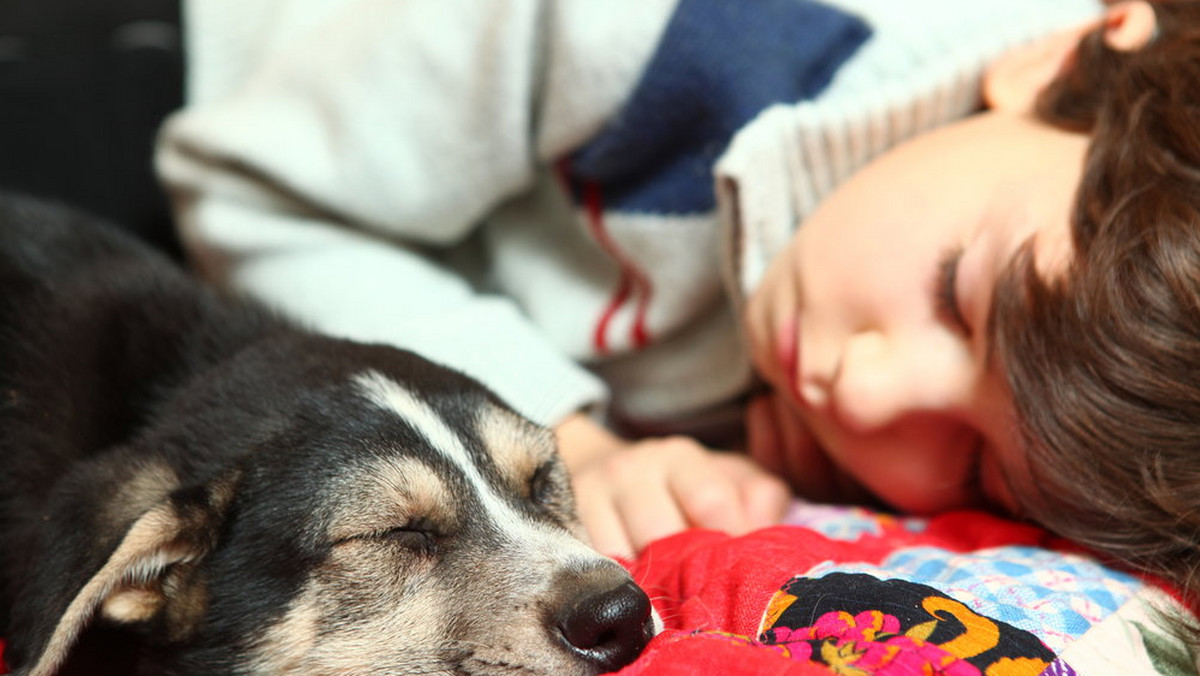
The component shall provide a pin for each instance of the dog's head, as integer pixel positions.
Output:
(392, 518)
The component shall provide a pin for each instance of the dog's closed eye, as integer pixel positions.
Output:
(542, 487)
(418, 536)
(549, 489)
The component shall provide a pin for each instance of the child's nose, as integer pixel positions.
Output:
(880, 379)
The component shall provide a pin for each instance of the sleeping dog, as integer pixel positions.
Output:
(215, 491)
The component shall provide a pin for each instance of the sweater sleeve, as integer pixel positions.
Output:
(332, 151)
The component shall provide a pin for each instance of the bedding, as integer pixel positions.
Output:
(853, 592)
(849, 591)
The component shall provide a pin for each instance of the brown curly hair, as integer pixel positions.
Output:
(1107, 357)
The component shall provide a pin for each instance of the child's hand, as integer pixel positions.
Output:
(630, 493)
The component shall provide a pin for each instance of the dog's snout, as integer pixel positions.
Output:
(608, 628)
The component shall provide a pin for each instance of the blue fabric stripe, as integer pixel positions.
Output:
(719, 64)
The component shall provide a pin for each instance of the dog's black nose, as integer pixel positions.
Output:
(609, 628)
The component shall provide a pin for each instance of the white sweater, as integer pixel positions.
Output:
(459, 177)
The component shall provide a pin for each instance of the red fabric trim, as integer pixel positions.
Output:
(630, 281)
(593, 203)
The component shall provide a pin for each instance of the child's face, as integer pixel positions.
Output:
(871, 324)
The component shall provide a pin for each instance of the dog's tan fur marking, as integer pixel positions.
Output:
(382, 637)
(133, 603)
(394, 492)
(284, 647)
(148, 484)
(517, 447)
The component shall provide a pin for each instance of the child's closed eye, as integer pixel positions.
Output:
(945, 292)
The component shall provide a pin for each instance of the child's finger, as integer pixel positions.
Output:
(605, 528)
(763, 496)
(649, 512)
(710, 496)
(766, 499)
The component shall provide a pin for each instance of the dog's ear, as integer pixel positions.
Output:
(145, 576)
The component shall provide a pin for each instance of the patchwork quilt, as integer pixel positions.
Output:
(853, 592)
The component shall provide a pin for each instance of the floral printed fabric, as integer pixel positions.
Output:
(895, 627)
(852, 592)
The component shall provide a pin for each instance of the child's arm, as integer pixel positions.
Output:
(331, 152)
(629, 493)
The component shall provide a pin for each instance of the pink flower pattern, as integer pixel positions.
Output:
(867, 643)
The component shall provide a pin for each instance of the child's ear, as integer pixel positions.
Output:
(1128, 26)
(1013, 81)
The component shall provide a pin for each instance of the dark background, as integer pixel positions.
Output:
(84, 85)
